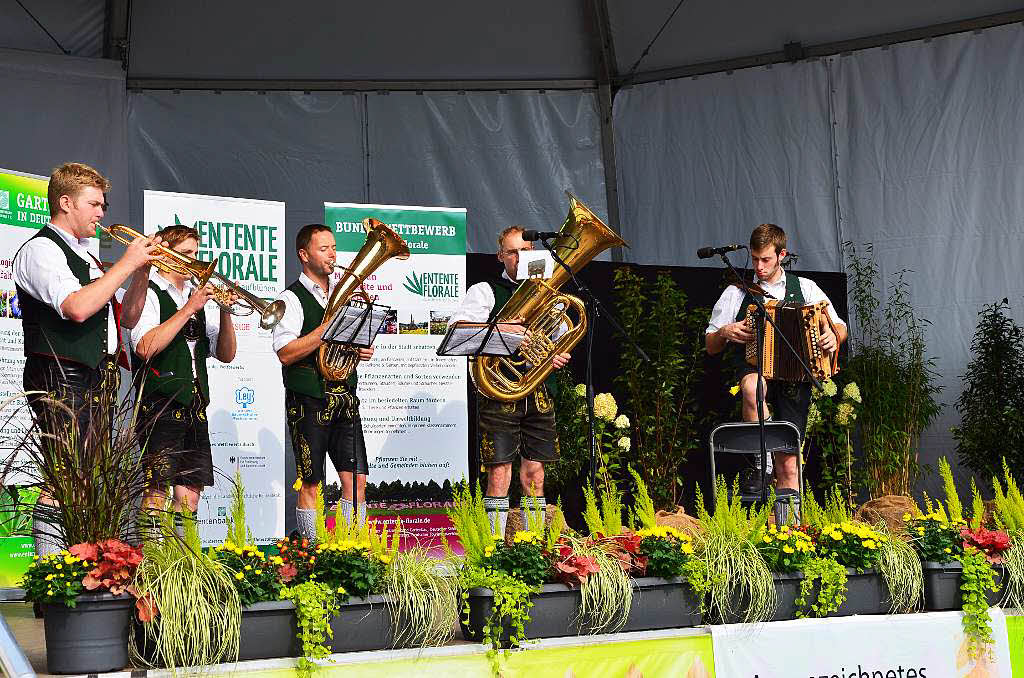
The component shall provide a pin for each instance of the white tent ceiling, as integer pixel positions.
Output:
(455, 40)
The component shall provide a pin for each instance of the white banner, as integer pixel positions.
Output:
(930, 645)
(246, 414)
(23, 211)
(413, 403)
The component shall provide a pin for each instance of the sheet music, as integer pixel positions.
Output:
(357, 325)
(469, 339)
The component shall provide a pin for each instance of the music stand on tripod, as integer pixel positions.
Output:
(356, 326)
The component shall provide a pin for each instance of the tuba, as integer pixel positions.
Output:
(539, 305)
(336, 361)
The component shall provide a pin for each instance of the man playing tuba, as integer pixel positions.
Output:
(172, 341)
(323, 416)
(525, 427)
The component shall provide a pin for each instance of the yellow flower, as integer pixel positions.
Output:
(920, 530)
(248, 568)
(868, 544)
(297, 485)
(238, 552)
(59, 566)
(384, 558)
(259, 571)
(488, 551)
(341, 589)
(49, 577)
(766, 539)
(277, 560)
(239, 575)
(906, 516)
(783, 536)
(735, 389)
(788, 549)
(836, 536)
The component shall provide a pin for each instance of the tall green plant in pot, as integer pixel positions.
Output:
(89, 480)
(889, 362)
(991, 405)
(661, 396)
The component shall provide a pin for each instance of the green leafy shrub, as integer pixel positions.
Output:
(888, 360)
(991, 406)
(661, 396)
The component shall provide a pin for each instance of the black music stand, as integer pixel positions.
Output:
(356, 327)
(478, 339)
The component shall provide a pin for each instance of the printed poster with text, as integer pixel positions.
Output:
(412, 402)
(246, 413)
(24, 209)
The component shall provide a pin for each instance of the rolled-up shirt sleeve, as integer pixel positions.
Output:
(726, 309)
(476, 306)
(287, 331)
(42, 270)
(148, 319)
(212, 313)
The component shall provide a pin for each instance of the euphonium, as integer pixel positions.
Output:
(201, 272)
(539, 306)
(336, 361)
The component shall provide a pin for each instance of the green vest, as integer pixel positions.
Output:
(303, 376)
(737, 354)
(46, 333)
(169, 373)
(503, 290)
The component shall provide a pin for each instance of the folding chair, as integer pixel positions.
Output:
(743, 438)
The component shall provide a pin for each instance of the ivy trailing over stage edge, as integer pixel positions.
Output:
(992, 403)
(889, 361)
(661, 396)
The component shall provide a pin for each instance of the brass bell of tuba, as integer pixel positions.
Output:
(539, 305)
(336, 361)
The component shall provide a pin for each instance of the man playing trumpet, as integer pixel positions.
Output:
(173, 339)
(68, 315)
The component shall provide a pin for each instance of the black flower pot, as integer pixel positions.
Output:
(91, 637)
(656, 604)
(942, 586)
(268, 631)
(362, 624)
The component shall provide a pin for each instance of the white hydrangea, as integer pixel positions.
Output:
(813, 416)
(581, 390)
(605, 407)
(624, 444)
(829, 387)
(852, 392)
(845, 414)
(622, 421)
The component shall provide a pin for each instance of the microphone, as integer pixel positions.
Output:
(530, 234)
(708, 252)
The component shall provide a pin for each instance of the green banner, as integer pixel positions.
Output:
(426, 231)
(23, 200)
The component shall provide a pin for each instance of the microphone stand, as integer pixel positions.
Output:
(760, 397)
(594, 309)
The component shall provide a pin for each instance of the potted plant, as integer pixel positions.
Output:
(87, 602)
(267, 623)
(740, 584)
(89, 482)
(807, 585)
(194, 608)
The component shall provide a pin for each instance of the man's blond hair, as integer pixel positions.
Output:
(69, 179)
(507, 232)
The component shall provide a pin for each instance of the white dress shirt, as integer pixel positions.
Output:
(477, 305)
(150, 316)
(42, 270)
(728, 305)
(290, 327)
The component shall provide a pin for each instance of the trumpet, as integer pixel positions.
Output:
(203, 272)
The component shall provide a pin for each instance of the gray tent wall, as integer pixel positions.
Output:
(923, 159)
(917, 148)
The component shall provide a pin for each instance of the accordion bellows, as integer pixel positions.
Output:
(800, 324)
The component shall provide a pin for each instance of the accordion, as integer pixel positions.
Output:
(800, 324)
